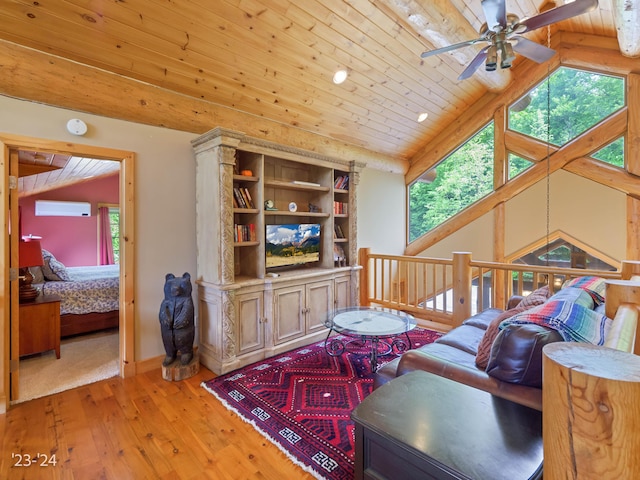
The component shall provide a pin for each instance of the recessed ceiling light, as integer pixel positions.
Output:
(339, 77)
(422, 117)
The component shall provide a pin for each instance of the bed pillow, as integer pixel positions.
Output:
(53, 270)
(38, 276)
(537, 297)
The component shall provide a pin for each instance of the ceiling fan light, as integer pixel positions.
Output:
(492, 59)
(506, 55)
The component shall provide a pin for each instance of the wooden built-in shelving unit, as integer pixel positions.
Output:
(248, 311)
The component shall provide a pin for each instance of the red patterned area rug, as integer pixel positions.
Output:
(302, 401)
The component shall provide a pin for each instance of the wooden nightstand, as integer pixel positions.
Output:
(40, 325)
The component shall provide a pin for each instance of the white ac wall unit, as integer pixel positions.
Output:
(50, 208)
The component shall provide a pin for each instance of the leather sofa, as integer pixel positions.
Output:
(454, 356)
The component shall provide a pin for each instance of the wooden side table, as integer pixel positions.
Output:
(40, 325)
(591, 412)
(421, 425)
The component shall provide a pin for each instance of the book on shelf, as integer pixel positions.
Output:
(244, 233)
(338, 231)
(340, 208)
(242, 197)
(246, 197)
(342, 182)
(249, 199)
(238, 196)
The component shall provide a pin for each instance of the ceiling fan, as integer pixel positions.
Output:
(502, 32)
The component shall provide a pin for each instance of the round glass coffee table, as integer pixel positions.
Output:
(384, 329)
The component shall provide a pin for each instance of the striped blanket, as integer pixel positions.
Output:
(573, 320)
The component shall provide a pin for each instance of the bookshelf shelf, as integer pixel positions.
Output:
(246, 210)
(290, 185)
(246, 244)
(245, 178)
(285, 213)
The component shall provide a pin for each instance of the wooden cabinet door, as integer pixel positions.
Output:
(319, 304)
(250, 315)
(343, 292)
(288, 313)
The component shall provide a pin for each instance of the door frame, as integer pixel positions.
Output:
(8, 304)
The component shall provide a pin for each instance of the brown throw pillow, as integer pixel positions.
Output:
(490, 334)
(537, 297)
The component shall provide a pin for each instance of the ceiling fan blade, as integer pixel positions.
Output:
(557, 14)
(475, 63)
(495, 14)
(448, 48)
(532, 50)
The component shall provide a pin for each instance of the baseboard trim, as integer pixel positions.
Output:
(153, 363)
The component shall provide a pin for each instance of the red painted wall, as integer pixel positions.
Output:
(72, 240)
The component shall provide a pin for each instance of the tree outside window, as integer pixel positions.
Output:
(114, 222)
(461, 179)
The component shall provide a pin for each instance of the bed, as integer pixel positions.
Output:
(89, 296)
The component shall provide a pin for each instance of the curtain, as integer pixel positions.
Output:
(106, 244)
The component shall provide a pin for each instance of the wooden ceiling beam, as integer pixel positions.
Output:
(626, 16)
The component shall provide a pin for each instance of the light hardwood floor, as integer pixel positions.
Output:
(142, 427)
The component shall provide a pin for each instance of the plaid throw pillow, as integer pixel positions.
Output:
(594, 286)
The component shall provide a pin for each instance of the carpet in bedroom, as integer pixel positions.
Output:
(83, 359)
(302, 400)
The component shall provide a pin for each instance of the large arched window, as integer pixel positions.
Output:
(557, 110)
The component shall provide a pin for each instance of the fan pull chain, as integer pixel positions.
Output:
(548, 144)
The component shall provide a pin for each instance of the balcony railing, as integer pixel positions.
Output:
(442, 293)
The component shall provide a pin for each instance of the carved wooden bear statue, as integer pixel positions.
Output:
(176, 319)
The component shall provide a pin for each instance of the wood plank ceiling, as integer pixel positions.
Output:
(274, 59)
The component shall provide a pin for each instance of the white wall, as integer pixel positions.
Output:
(381, 212)
(477, 238)
(164, 198)
(583, 209)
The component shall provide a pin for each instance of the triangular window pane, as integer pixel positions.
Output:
(562, 253)
(612, 154)
(462, 178)
(566, 104)
(517, 165)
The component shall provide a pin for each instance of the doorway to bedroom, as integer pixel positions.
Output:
(98, 347)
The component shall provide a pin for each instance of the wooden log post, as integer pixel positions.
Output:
(363, 260)
(630, 268)
(462, 279)
(619, 292)
(591, 412)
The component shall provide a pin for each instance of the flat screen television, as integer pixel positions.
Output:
(292, 244)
